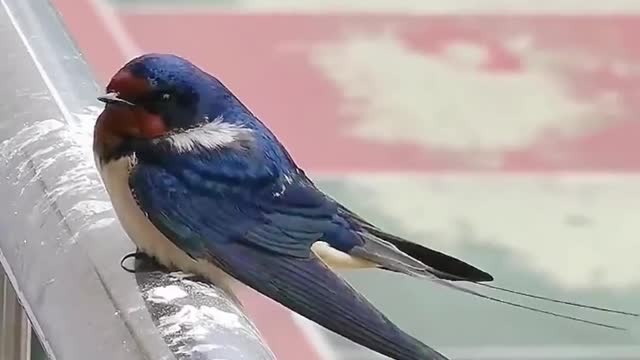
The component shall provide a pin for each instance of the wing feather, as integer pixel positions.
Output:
(265, 242)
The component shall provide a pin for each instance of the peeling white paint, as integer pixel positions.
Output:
(449, 99)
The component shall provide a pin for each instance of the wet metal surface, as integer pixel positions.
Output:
(192, 316)
(61, 244)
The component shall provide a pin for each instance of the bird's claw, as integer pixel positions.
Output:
(136, 255)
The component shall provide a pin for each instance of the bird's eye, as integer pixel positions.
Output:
(166, 97)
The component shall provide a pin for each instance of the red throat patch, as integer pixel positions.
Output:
(121, 121)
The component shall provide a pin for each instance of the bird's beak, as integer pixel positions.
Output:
(112, 98)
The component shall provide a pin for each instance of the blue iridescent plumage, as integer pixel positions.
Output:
(264, 241)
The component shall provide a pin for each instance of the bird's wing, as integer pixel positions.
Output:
(445, 266)
(258, 226)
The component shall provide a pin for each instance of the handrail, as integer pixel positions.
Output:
(61, 245)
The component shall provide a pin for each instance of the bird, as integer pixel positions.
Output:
(201, 185)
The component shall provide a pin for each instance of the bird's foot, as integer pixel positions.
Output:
(138, 255)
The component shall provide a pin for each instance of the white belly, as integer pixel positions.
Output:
(144, 234)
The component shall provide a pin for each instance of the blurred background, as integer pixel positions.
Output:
(500, 132)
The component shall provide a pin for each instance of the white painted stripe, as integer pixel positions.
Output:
(414, 7)
(113, 25)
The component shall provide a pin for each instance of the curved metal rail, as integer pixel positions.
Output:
(61, 245)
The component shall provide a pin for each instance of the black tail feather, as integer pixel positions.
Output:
(564, 302)
(442, 269)
(458, 269)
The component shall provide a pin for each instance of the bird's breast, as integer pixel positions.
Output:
(115, 176)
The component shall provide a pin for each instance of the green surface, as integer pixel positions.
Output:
(444, 318)
(37, 352)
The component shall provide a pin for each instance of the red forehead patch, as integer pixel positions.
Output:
(127, 85)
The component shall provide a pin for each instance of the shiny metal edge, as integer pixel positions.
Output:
(61, 245)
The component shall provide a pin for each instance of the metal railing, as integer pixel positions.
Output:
(61, 245)
(15, 331)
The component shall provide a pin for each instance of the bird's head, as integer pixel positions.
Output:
(153, 96)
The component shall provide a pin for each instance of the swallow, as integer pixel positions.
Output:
(200, 184)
